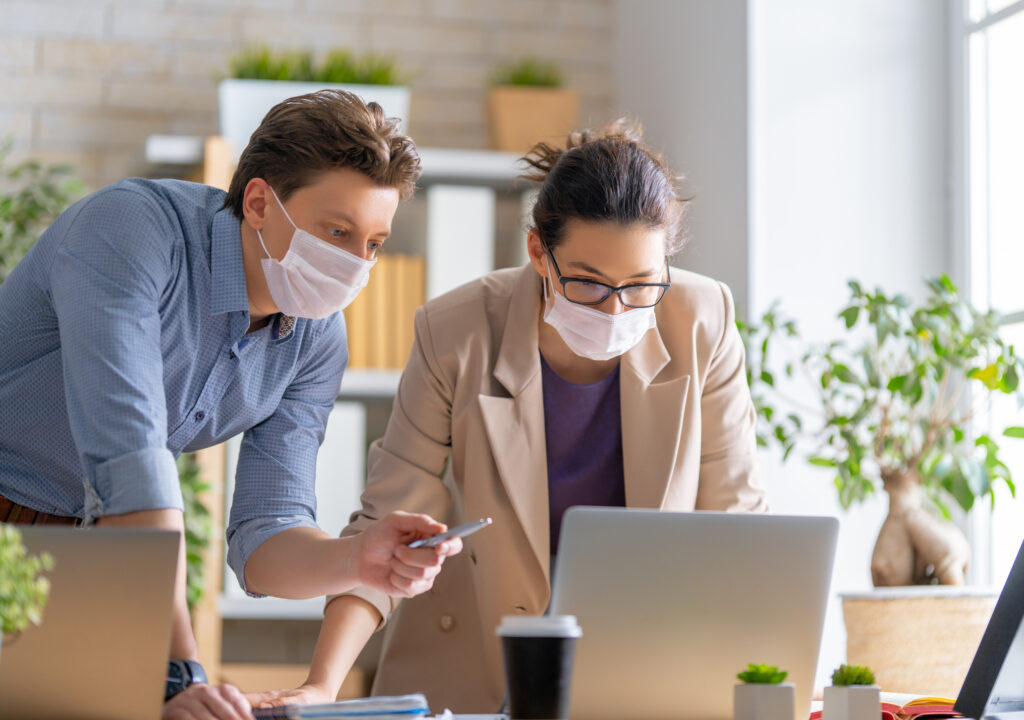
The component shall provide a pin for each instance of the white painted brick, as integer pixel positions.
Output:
(430, 39)
(114, 165)
(203, 62)
(16, 125)
(194, 24)
(31, 18)
(25, 89)
(96, 55)
(191, 97)
(520, 11)
(17, 53)
(582, 13)
(295, 32)
(96, 129)
(396, 8)
(461, 74)
(339, 7)
(83, 163)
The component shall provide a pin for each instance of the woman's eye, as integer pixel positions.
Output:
(373, 247)
(338, 233)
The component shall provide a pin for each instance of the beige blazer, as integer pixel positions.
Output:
(466, 440)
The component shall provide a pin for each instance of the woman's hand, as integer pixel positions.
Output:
(208, 702)
(384, 561)
(306, 694)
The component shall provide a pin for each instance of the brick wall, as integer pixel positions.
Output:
(86, 81)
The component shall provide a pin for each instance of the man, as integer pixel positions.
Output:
(160, 317)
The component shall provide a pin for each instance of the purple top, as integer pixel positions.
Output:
(583, 430)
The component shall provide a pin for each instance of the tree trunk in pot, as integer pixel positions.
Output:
(915, 547)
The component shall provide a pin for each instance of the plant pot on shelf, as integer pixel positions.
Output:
(763, 701)
(852, 702)
(917, 639)
(520, 117)
(243, 103)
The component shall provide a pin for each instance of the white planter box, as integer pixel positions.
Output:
(762, 701)
(852, 702)
(243, 103)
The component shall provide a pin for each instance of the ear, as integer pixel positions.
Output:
(254, 202)
(535, 250)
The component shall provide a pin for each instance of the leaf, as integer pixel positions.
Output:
(822, 462)
(1014, 432)
(850, 315)
(767, 378)
(988, 376)
(896, 384)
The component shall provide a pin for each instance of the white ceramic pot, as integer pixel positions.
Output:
(243, 103)
(852, 702)
(763, 701)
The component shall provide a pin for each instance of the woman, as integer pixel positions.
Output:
(595, 375)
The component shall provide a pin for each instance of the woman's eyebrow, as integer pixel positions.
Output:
(593, 271)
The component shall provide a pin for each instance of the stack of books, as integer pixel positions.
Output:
(380, 320)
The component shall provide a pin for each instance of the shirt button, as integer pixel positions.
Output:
(447, 623)
(199, 416)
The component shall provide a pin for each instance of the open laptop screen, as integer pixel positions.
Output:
(994, 686)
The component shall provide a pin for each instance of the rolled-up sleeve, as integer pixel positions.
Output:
(107, 279)
(275, 480)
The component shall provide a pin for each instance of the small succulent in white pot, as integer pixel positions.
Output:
(853, 695)
(761, 694)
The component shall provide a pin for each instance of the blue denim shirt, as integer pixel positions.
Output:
(124, 344)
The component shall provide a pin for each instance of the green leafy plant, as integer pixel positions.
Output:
(529, 72)
(31, 197)
(762, 675)
(23, 590)
(198, 526)
(339, 66)
(852, 675)
(893, 405)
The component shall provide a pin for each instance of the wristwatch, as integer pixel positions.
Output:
(181, 674)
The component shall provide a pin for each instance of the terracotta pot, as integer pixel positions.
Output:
(520, 117)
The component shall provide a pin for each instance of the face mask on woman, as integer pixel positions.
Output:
(591, 333)
(314, 279)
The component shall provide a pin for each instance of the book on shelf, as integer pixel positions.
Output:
(380, 320)
(901, 706)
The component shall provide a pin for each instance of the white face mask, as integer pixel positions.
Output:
(314, 279)
(591, 333)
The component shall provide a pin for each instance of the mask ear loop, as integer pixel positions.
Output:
(281, 205)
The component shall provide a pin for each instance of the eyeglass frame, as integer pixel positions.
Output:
(611, 288)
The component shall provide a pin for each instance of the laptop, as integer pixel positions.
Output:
(994, 686)
(673, 605)
(101, 650)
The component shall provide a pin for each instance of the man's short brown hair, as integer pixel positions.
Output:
(326, 130)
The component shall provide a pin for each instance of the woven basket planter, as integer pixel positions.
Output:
(917, 639)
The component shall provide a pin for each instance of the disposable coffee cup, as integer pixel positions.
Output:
(539, 655)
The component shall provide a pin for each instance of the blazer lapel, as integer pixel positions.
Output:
(515, 424)
(652, 421)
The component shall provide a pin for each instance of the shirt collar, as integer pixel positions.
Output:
(226, 266)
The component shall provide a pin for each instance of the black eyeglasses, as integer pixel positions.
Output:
(592, 292)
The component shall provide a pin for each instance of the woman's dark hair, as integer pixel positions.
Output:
(325, 130)
(607, 175)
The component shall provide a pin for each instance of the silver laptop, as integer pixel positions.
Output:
(101, 650)
(673, 605)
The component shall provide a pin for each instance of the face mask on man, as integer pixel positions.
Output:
(314, 279)
(591, 333)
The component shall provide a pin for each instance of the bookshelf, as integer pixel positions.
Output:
(466, 220)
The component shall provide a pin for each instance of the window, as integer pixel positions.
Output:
(994, 44)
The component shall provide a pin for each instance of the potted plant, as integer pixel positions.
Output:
(31, 196)
(527, 104)
(23, 590)
(761, 694)
(853, 695)
(260, 78)
(891, 405)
